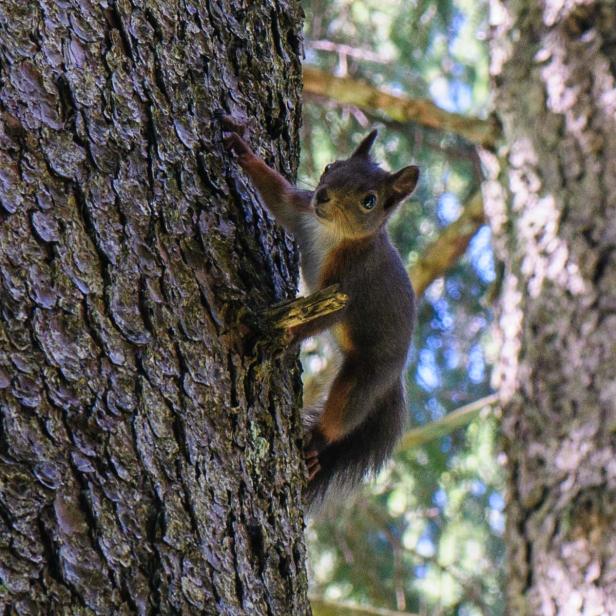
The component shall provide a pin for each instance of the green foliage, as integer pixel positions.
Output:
(428, 536)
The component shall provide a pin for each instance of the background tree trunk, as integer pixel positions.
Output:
(148, 455)
(553, 211)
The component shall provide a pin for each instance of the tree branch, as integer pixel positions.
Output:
(452, 421)
(348, 50)
(351, 91)
(321, 607)
(302, 310)
(449, 246)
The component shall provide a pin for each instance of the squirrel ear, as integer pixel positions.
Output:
(363, 149)
(402, 184)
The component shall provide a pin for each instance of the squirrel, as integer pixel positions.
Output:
(340, 228)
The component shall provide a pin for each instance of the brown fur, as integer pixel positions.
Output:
(340, 228)
(338, 260)
(332, 420)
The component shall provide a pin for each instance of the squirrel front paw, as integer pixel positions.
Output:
(234, 129)
(234, 143)
(231, 123)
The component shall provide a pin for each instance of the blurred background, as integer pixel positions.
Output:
(426, 538)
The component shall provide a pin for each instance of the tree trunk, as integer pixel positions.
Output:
(148, 442)
(553, 211)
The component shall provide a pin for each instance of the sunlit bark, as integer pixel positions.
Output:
(553, 213)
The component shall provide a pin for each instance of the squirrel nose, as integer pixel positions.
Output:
(321, 196)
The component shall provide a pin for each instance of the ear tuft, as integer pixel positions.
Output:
(363, 149)
(401, 184)
(404, 181)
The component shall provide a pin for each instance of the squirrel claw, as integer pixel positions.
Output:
(232, 124)
(234, 143)
(313, 473)
(234, 129)
(312, 463)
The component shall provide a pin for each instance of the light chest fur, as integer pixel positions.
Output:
(316, 244)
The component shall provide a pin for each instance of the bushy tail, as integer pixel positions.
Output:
(363, 451)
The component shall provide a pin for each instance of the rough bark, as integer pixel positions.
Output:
(553, 212)
(148, 442)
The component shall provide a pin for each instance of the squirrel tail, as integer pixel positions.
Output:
(363, 451)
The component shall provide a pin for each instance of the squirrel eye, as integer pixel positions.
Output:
(328, 167)
(369, 201)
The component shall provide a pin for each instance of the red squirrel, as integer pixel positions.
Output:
(340, 228)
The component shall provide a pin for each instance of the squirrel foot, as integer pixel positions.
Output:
(311, 457)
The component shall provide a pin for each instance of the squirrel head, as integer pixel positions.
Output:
(356, 197)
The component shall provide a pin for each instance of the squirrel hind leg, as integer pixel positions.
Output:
(344, 463)
(311, 416)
